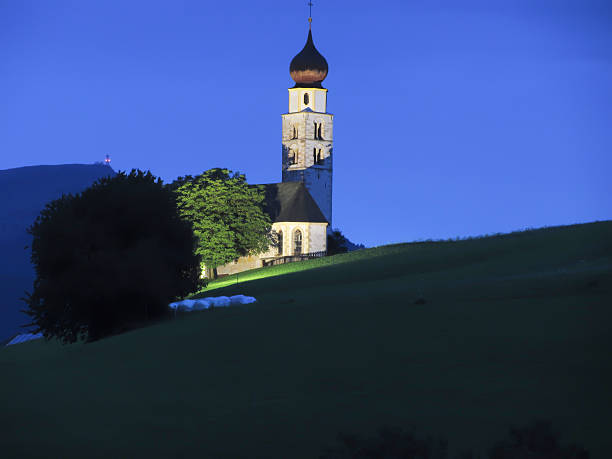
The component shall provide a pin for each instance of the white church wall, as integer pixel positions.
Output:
(288, 229)
(317, 99)
(314, 239)
(320, 101)
(318, 237)
(293, 101)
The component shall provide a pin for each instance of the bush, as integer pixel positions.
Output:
(110, 258)
(536, 441)
(336, 243)
(391, 442)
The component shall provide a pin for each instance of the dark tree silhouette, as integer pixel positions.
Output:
(537, 441)
(391, 442)
(110, 258)
(336, 243)
(534, 441)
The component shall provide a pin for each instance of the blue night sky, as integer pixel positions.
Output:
(452, 118)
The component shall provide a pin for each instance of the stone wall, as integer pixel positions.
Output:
(314, 239)
(242, 264)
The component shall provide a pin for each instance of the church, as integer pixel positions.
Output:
(300, 206)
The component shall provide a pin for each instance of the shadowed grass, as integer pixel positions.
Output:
(513, 327)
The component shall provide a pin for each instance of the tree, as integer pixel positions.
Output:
(537, 440)
(336, 243)
(227, 216)
(110, 258)
(390, 442)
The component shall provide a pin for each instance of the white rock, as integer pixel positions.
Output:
(201, 304)
(242, 299)
(221, 301)
(205, 303)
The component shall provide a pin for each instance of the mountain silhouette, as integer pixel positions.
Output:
(24, 191)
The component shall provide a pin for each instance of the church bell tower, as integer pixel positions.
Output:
(308, 128)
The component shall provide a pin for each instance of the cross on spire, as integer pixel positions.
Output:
(310, 11)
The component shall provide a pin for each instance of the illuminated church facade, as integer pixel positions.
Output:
(300, 206)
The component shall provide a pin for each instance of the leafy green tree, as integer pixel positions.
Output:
(227, 216)
(110, 258)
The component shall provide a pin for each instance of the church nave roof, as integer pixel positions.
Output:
(291, 202)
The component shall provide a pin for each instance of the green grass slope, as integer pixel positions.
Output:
(514, 327)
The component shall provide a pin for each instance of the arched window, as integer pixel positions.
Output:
(297, 242)
(292, 156)
(317, 155)
(318, 131)
(306, 98)
(295, 132)
(279, 244)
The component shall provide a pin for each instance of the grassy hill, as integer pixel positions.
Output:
(460, 339)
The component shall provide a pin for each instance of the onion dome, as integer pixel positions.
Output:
(309, 68)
